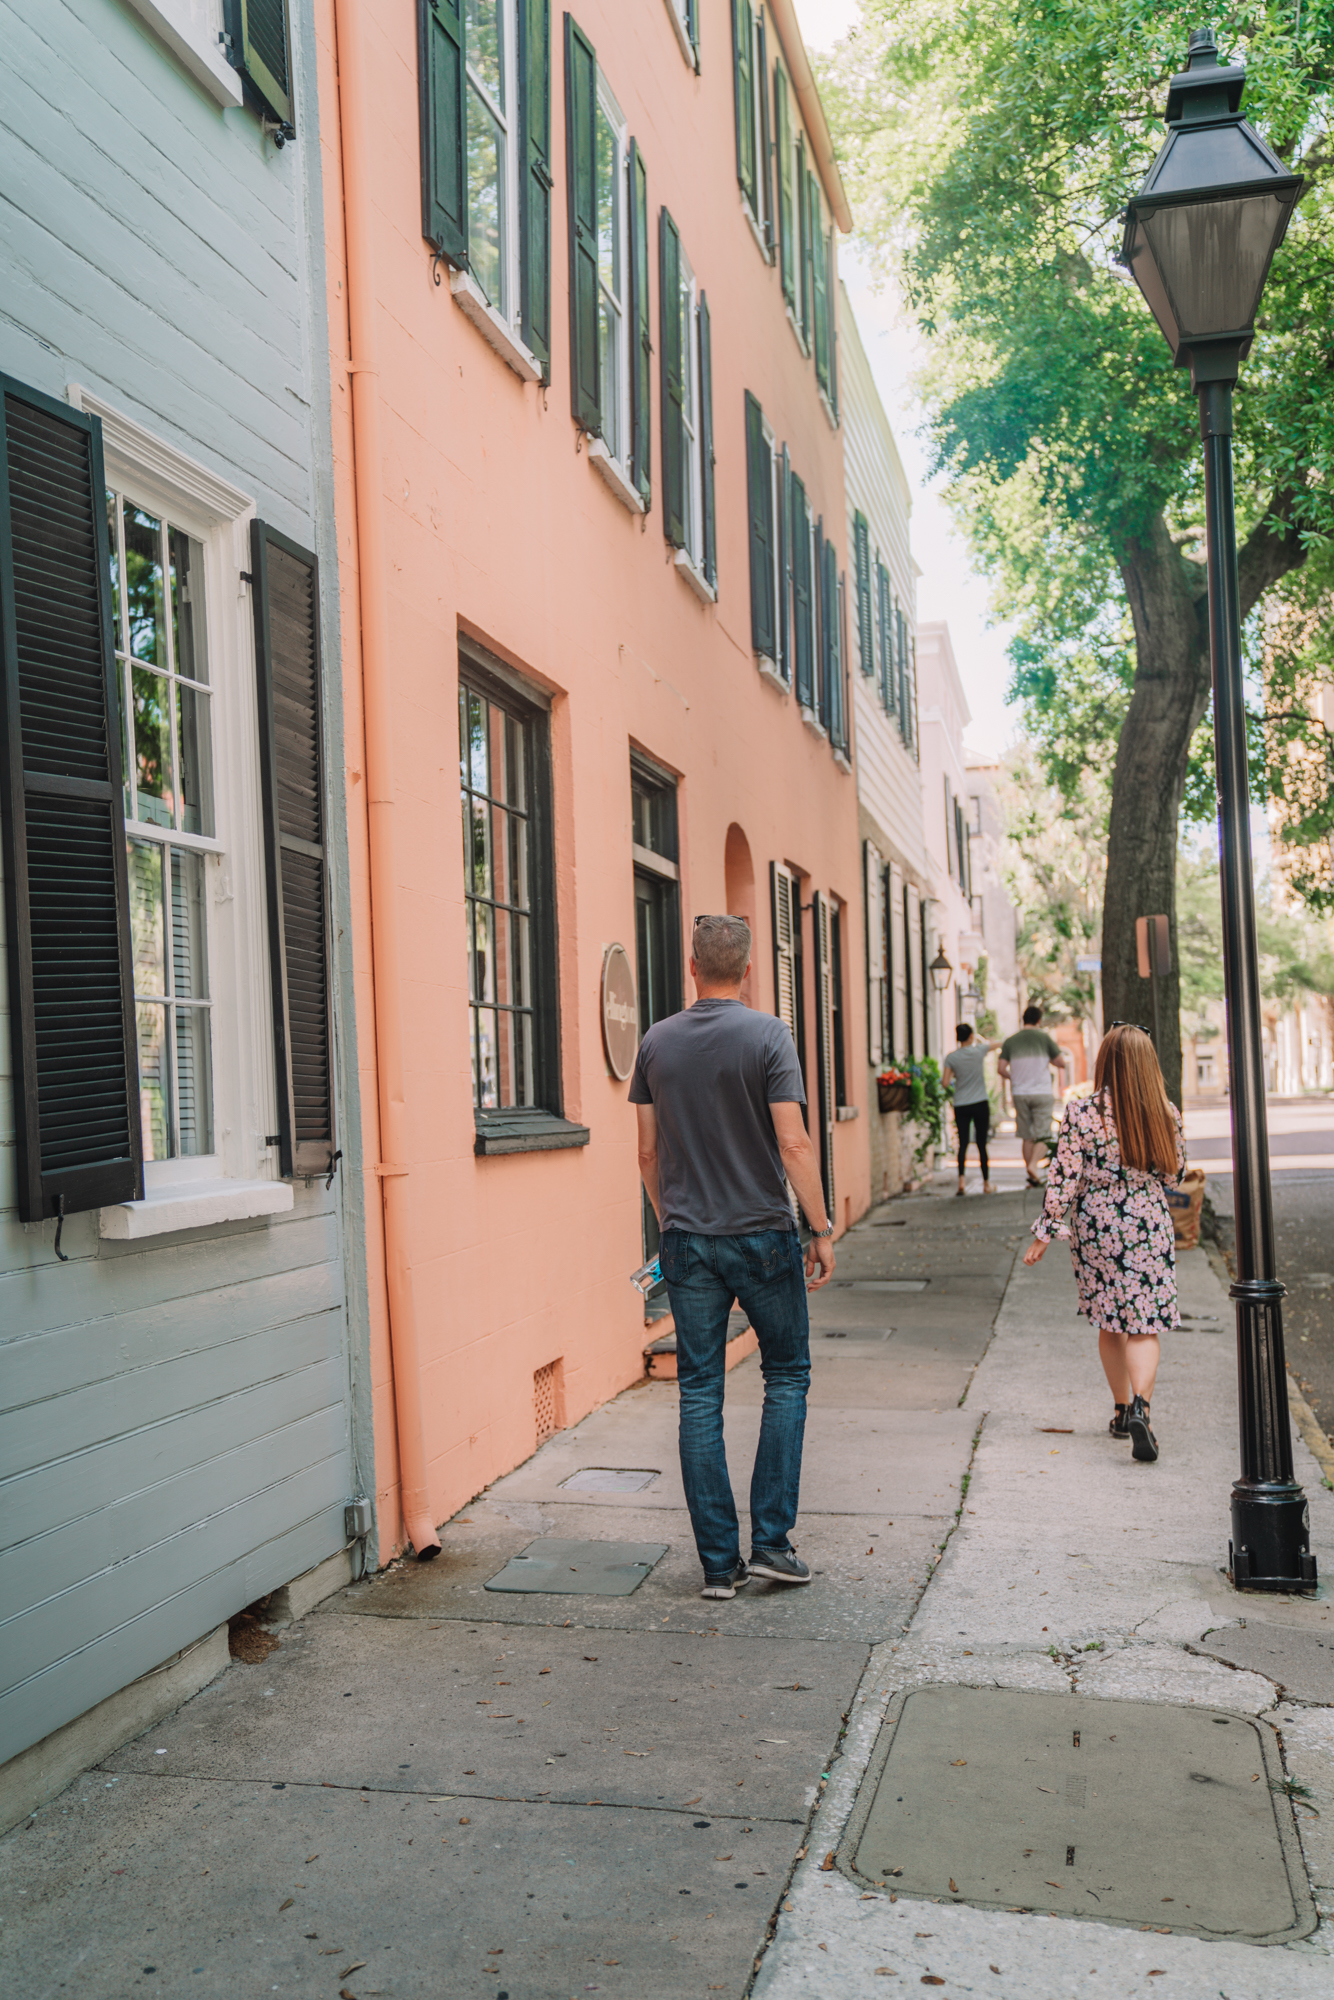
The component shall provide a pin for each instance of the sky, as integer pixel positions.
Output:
(949, 587)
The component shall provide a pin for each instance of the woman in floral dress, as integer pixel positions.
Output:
(1117, 1152)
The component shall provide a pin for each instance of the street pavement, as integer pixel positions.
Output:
(354, 1816)
(1301, 1160)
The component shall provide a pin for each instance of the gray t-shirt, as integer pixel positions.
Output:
(711, 1074)
(968, 1064)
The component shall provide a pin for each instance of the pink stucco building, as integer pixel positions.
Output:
(583, 294)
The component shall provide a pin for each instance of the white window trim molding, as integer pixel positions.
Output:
(496, 331)
(190, 29)
(756, 230)
(613, 472)
(695, 577)
(814, 724)
(682, 36)
(193, 1205)
(133, 451)
(797, 333)
(828, 408)
(843, 761)
(769, 672)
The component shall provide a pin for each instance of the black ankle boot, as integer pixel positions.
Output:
(1117, 1427)
(1145, 1444)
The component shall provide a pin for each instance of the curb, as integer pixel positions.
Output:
(1313, 1437)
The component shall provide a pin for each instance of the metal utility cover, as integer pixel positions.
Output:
(852, 1333)
(1130, 1811)
(607, 1479)
(580, 1569)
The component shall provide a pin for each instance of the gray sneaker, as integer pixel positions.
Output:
(779, 1566)
(727, 1585)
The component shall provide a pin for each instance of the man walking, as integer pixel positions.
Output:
(719, 1097)
(1028, 1060)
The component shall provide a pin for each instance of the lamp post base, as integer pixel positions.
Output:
(1271, 1534)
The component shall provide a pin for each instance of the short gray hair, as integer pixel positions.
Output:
(720, 948)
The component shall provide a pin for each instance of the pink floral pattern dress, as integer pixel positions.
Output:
(1116, 1220)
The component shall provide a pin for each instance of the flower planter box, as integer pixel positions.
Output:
(893, 1096)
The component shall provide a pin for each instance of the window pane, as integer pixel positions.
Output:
(522, 994)
(147, 930)
(192, 725)
(486, 204)
(484, 1072)
(500, 854)
(477, 743)
(516, 763)
(152, 746)
(609, 206)
(498, 721)
(525, 1089)
(114, 540)
(480, 882)
(154, 1081)
(517, 830)
(194, 1107)
(189, 965)
(485, 20)
(144, 586)
(483, 953)
(610, 337)
(187, 605)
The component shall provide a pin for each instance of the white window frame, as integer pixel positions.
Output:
(679, 13)
(192, 30)
(506, 309)
(691, 413)
(240, 1176)
(609, 109)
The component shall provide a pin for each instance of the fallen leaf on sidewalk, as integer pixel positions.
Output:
(932, 1979)
(824, 1947)
(954, 1887)
(993, 1968)
(1054, 1885)
(1155, 1972)
(310, 1858)
(827, 1863)
(960, 1761)
(287, 1905)
(1056, 1430)
(348, 1970)
(634, 1753)
(886, 1972)
(692, 1802)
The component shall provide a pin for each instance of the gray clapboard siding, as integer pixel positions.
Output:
(175, 1414)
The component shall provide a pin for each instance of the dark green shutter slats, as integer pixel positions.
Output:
(534, 54)
(581, 83)
(838, 666)
(442, 98)
(831, 312)
(743, 87)
(641, 335)
(692, 27)
(804, 239)
(785, 568)
(706, 455)
(759, 493)
(803, 637)
(286, 594)
(71, 989)
(865, 621)
(886, 639)
(787, 237)
(673, 382)
(261, 48)
(821, 619)
(764, 180)
(820, 284)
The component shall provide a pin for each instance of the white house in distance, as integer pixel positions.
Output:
(951, 796)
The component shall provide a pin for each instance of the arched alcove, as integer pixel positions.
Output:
(739, 887)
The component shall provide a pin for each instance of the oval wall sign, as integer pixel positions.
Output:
(620, 1012)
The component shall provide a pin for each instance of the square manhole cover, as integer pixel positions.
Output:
(580, 1569)
(607, 1479)
(1133, 1811)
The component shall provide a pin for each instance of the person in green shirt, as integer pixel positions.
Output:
(1027, 1062)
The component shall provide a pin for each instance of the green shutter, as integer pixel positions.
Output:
(692, 27)
(838, 684)
(641, 337)
(441, 91)
(764, 183)
(865, 622)
(886, 638)
(581, 86)
(673, 382)
(260, 46)
(804, 239)
(535, 187)
(819, 283)
(785, 569)
(78, 1138)
(710, 528)
(743, 85)
(803, 648)
(825, 617)
(787, 249)
(759, 495)
(831, 283)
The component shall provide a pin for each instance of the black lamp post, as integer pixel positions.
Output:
(1199, 238)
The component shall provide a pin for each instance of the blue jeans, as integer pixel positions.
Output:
(704, 1274)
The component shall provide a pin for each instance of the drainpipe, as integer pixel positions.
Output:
(391, 1168)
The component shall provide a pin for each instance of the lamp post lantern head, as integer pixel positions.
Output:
(941, 971)
(1202, 230)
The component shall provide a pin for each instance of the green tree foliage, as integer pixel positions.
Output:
(1055, 851)
(989, 150)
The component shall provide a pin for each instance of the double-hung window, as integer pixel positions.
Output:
(160, 633)
(492, 192)
(750, 79)
(687, 413)
(612, 186)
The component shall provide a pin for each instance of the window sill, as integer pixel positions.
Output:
(797, 333)
(843, 761)
(526, 1132)
(177, 23)
(769, 672)
(682, 38)
(814, 724)
(497, 332)
(847, 1112)
(624, 489)
(193, 1205)
(829, 410)
(756, 231)
(695, 577)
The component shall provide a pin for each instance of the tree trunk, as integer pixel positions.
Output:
(1166, 593)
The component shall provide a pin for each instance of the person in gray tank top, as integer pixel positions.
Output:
(964, 1067)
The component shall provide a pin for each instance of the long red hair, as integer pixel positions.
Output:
(1127, 1069)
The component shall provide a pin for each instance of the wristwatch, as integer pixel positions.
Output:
(823, 1232)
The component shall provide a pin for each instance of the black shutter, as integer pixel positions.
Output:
(673, 382)
(759, 494)
(71, 984)
(743, 90)
(820, 284)
(442, 108)
(581, 88)
(804, 238)
(709, 524)
(865, 620)
(764, 182)
(785, 568)
(260, 47)
(802, 605)
(286, 592)
(641, 338)
(787, 258)
(535, 187)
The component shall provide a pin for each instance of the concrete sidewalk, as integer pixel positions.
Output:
(436, 1788)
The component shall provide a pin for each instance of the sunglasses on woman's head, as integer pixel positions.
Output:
(1134, 1024)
